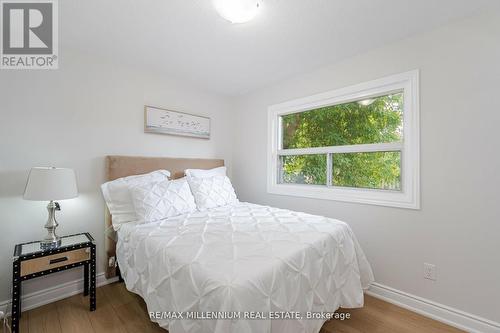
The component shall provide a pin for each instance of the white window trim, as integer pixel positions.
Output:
(408, 197)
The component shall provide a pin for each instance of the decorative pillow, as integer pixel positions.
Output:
(201, 173)
(118, 199)
(212, 192)
(159, 200)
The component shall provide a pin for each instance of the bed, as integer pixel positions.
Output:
(237, 268)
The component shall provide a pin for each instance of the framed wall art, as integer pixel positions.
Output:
(163, 121)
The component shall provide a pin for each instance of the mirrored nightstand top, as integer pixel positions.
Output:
(66, 241)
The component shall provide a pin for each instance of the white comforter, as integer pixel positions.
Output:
(245, 258)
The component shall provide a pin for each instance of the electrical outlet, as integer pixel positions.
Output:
(111, 262)
(430, 272)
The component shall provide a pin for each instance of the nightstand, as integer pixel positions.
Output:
(31, 261)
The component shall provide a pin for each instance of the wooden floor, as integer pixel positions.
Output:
(121, 311)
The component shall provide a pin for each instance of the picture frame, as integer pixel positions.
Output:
(170, 122)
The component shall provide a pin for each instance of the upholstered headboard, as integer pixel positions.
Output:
(122, 166)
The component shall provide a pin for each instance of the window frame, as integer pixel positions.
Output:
(407, 197)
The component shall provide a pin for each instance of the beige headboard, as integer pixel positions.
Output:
(122, 166)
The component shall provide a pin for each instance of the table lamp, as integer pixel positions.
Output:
(50, 184)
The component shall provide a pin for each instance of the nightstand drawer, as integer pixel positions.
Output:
(55, 260)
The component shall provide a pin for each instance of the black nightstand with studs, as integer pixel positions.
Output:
(31, 260)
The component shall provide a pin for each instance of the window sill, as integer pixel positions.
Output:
(364, 196)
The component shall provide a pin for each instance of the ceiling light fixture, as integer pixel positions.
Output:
(237, 11)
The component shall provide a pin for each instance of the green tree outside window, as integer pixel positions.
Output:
(376, 120)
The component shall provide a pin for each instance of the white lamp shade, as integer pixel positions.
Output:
(47, 183)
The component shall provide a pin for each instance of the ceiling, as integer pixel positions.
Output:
(187, 40)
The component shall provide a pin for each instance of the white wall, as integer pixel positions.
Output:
(73, 117)
(458, 226)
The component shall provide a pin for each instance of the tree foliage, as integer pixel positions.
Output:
(378, 120)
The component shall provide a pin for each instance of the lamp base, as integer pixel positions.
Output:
(51, 240)
(50, 244)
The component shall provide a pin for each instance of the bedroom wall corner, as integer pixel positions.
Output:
(457, 226)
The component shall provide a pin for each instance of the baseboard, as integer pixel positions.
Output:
(52, 294)
(445, 314)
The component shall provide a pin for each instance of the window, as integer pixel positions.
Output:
(357, 144)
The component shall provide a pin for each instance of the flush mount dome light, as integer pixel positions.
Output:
(237, 11)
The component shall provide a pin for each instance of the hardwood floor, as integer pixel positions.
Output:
(121, 311)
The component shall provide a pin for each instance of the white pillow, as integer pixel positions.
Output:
(212, 192)
(117, 195)
(158, 200)
(201, 173)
